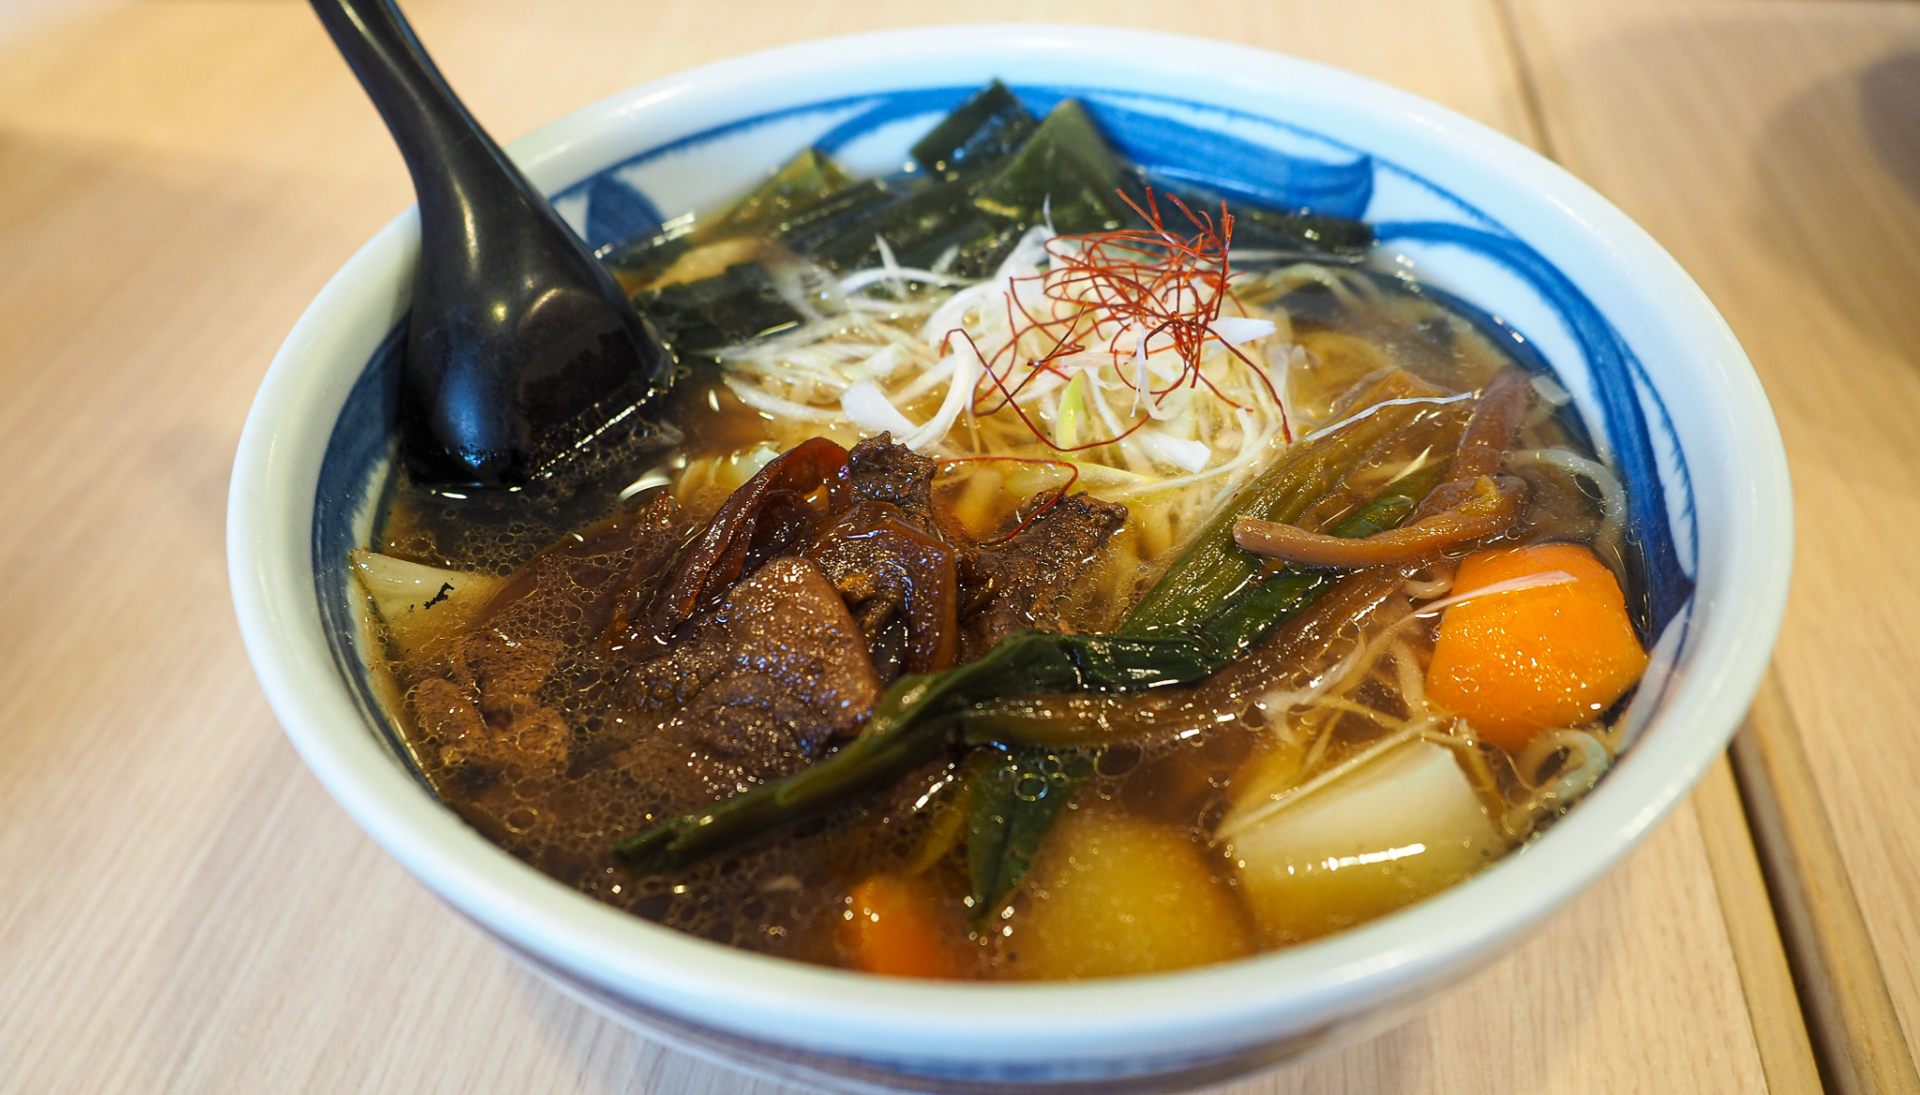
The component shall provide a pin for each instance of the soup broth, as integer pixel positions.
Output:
(1051, 596)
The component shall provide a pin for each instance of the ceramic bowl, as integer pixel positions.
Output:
(1656, 376)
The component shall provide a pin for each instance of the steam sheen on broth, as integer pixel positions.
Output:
(1037, 573)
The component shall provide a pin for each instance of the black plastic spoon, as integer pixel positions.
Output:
(521, 348)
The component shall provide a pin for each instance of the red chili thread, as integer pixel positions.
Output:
(1160, 284)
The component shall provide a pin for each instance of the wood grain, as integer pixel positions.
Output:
(186, 909)
(1799, 120)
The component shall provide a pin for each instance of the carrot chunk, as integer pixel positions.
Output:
(1520, 660)
(899, 927)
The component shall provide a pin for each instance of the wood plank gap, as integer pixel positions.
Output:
(1523, 74)
(1759, 954)
(1849, 1012)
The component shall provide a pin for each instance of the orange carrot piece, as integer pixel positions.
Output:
(1519, 661)
(900, 928)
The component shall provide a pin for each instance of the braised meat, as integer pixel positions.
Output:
(880, 471)
(699, 661)
(1021, 582)
(902, 582)
(757, 690)
(495, 708)
(768, 515)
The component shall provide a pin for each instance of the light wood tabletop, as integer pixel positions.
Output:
(186, 910)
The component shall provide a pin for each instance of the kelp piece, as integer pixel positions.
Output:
(698, 317)
(983, 130)
(639, 262)
(981, 254)
(798, 186)
(796, 193)
(1066, 172)
(920, 229)
(1294, 232)
(1281, 230)
(837, 214)
(979, 203)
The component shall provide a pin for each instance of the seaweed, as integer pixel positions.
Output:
(698, 317)
(1276, 229)
(807, 230)
(640, 261)
(984, 130)
(1066, 173)
(800, 184)
(919, 227)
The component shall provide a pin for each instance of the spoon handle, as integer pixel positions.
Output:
(455, 166)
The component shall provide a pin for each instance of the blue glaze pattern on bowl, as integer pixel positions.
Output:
(1244, 156)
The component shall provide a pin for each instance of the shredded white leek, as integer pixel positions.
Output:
(908, 350)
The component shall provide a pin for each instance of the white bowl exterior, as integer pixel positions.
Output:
(1307, 994)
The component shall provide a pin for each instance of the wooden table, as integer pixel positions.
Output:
(185, 909)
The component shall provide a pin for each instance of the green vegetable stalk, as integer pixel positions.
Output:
(1213, 569)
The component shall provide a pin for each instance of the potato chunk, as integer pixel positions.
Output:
(1112, 894)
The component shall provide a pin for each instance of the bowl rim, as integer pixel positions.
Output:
(863, 1016)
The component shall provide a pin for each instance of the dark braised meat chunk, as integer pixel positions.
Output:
(1002, 588)
(901, 581)
(1022, 582)
(495, 709)
(880, 471)
(755, 691)
(894, 560)
(769, 515)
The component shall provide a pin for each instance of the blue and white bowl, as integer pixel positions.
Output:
(1657, 377)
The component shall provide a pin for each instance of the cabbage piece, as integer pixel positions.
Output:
(1397, 826)
(420, 603)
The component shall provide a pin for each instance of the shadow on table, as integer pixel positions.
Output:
(1839, 165)
(1889, 96)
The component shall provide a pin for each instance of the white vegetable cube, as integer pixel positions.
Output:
(420, 603)
(1402, 825)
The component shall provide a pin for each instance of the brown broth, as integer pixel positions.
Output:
(787, 894)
